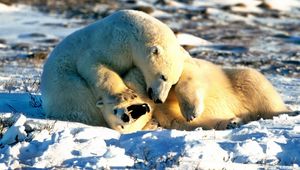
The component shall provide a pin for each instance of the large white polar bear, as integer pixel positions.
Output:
(86, 67)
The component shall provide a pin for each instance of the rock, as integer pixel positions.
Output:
(21, 46)
(32, 35)
(16, 132)
(145, 8)
(49, 40)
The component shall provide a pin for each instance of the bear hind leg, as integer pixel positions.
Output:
(71, 100)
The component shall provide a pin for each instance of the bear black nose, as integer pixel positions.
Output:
(157, 101)
(150, 92)
(125, 118)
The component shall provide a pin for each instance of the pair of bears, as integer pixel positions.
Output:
(128, 69)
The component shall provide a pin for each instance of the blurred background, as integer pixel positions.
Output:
(262, 34)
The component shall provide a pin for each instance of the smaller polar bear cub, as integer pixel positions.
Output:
(211, 97)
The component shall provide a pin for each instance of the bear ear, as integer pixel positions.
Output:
(155, 50)
(99, 103)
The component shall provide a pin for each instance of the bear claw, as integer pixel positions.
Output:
(190, 117)
(234, 123)
(126, 95)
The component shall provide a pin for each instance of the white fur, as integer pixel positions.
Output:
(210, 97)
(86, 65)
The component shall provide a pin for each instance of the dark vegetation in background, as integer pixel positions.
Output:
(240, 42)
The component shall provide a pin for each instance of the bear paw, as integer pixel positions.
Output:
(234, 123)
(151, 125)
(132, 112)
(126, 95)
(125, 107)
(191, 106)
(190, 115)
(190, 112)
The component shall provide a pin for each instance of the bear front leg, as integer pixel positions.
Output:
(105, 83)
(190, 92)
(129, 114)
(191, 101)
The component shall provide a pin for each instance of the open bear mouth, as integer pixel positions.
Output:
(132, 112)
(138, 110)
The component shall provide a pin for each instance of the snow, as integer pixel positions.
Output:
(16, 132)
(30, 141)
(5, 8)
(252, 5)
(25, 21)
(191, 40)
(58, 144)
(283, 5)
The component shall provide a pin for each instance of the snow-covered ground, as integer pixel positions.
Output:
(54, 144)
(29, 141)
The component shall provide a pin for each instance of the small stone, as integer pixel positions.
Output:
(49, 40)
(144, 8)
(32, 35)
(2, 41)
(21, 46)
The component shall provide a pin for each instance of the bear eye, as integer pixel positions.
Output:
(154, 50)
(164, 78)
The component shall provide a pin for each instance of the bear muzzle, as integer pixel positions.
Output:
(150, 95)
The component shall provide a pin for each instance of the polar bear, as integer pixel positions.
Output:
(211, 97)
(86, 67)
